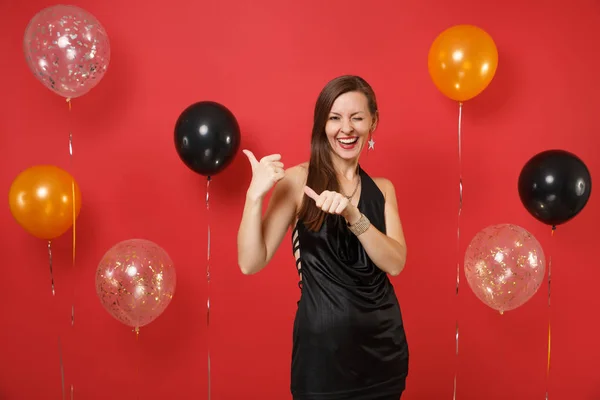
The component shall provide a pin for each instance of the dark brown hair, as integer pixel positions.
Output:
(321, 173)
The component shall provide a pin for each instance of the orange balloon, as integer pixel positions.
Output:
(462, 61)
(41, 201)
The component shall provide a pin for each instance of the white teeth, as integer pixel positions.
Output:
(348, 141)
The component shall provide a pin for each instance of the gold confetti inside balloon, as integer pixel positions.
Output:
(67, 49)
(135, 281)
(504, 266)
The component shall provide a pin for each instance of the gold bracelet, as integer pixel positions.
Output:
(360, 226)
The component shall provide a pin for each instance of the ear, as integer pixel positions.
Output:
(374, 122)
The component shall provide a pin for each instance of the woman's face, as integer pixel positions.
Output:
(349, 125)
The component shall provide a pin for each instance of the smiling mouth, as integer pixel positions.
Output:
(348, 141)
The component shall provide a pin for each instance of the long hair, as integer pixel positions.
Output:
(321, 173)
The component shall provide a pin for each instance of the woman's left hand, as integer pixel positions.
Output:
(334, 203)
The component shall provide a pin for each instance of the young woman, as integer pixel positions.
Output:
(349, 340)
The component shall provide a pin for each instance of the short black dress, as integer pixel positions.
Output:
(348, 339)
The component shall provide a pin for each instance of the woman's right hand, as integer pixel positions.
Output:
(265, 173)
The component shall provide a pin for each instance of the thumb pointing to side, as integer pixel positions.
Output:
(251, 158)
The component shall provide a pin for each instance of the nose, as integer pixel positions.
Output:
(347, 126)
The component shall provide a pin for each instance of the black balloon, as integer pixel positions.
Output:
(207, 137)
(554, 186)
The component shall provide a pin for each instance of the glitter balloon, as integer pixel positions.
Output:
(504, 266)
(67, 50)
(135, 281)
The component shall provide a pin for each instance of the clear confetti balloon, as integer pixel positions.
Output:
(67, 49)
(135, 281)
(504, 266)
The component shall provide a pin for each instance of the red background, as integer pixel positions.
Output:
(267, 61)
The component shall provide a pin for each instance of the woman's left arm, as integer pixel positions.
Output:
(386, 250)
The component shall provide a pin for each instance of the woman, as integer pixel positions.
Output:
(349, 340)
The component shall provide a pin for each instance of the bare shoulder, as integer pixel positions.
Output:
(297, 174)
(287, 196)
(386, 186)
(296, 177)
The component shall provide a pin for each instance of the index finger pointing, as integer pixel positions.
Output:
(311, 193)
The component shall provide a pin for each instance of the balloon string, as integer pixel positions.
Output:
(62, 368)
(139, 358)
(72, 182)
(74, 222)
(460, 204)
(549, 322)
(73, 197)
(50, 264)
(208, 285)
(74, 215)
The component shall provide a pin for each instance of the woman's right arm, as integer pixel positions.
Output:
(258, 236)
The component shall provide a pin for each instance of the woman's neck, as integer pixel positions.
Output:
(346, 169)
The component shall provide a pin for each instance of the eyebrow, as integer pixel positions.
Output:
(354, 113)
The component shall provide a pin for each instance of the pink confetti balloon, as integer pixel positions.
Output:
(67, 49)
(135, 282)
(504, 266)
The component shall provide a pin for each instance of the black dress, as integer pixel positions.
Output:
(348, 341)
